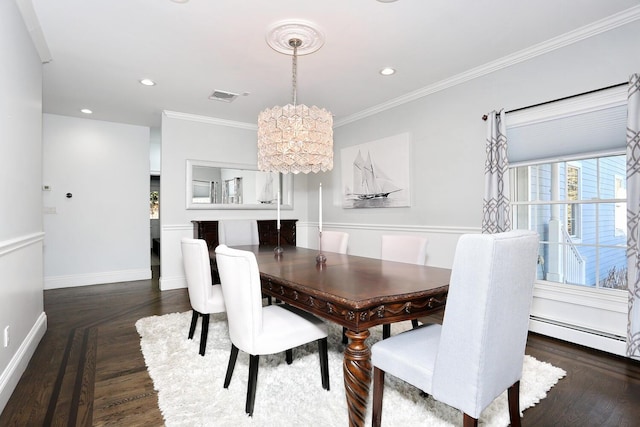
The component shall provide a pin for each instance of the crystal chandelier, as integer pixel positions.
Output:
(295, 138)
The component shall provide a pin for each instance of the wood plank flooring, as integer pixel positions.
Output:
(88, 369)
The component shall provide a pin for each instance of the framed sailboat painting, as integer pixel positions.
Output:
(377, 174)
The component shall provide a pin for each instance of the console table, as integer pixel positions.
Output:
(267, 232)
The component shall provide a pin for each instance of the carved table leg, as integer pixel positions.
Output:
(357, 376)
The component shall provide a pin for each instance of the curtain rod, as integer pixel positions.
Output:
(485, 117)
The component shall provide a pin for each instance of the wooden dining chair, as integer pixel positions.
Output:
(260, 330)
(478, 351)
(205, 298)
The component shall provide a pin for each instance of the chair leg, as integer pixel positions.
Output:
(469, 421)
(324, 362)
(289, 356)
(232, 364)
(194, 320)
(345, 340)
(254, 362)
(204, 333)
(378, 391)
(514, 404)
(414, 323)
(386, 331)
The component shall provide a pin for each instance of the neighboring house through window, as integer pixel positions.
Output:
(574, 208)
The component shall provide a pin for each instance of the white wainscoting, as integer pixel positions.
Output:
(364, 239)
(21, 307)
(171, 270)
(10, 377)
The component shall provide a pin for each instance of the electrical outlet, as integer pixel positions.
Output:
(6, 337)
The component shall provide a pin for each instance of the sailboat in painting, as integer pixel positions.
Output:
(370, 182)
(266, 196)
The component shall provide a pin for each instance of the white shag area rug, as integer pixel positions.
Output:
(191, 393)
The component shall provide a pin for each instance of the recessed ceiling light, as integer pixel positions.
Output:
(387, 71)
(86, 111)
(147, 82)
(382, 1)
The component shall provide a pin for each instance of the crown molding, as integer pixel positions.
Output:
(614, 21)
(209, 120)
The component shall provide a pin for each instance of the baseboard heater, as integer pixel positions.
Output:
(579, 328)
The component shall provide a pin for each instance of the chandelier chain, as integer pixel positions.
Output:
(295, 43)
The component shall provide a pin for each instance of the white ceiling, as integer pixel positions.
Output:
(100, 49)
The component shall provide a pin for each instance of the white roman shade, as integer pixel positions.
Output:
(592, 123)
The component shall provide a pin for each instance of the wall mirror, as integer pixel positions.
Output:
(212, 185)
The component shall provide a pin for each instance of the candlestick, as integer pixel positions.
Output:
(320, 208)
(278, 208)
(321, 259)
(278, 249)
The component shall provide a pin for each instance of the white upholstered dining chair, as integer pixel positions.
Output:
(238, 232)
(478, 351)
(204, 296)
(405, 248)
(260, 330)
(335, 241)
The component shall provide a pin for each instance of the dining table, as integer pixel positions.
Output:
(355, 292)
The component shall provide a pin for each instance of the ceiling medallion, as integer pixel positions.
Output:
(280, 33)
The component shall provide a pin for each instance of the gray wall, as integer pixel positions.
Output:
(101, 233)
(199, 138)
(21, 280)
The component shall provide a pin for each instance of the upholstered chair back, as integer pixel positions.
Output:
(240, 280)
(404, 248)
(486, 319)
(195, 257)
(238, 232)
(335, 241)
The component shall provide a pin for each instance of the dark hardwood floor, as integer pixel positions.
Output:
(88, 369)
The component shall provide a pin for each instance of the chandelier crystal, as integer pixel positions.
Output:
(295, 138)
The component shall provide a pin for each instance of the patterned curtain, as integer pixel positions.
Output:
(496, 211)
(633, 215)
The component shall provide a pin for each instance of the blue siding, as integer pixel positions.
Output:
(596, 222)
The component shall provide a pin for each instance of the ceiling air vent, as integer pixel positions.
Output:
(220, 95)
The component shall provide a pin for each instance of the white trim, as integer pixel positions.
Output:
(70, 281)
(605, 299)
(8, 246)
(11, 375)
(177, 227)
(32, 23)
(393, 227)
(210, 120)
(177, 282)
(590, 30)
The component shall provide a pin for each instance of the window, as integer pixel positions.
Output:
(154, 205)
(577, 208)
(573, 210)
(620, 186)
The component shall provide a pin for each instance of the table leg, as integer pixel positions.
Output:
(357, 376)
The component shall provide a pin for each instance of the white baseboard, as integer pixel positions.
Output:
(70, 281)
(605, 343)
(178, 282)
(18, 363)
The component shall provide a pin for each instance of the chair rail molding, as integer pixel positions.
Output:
(17, 243)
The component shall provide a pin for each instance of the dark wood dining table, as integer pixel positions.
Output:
(355, 292)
